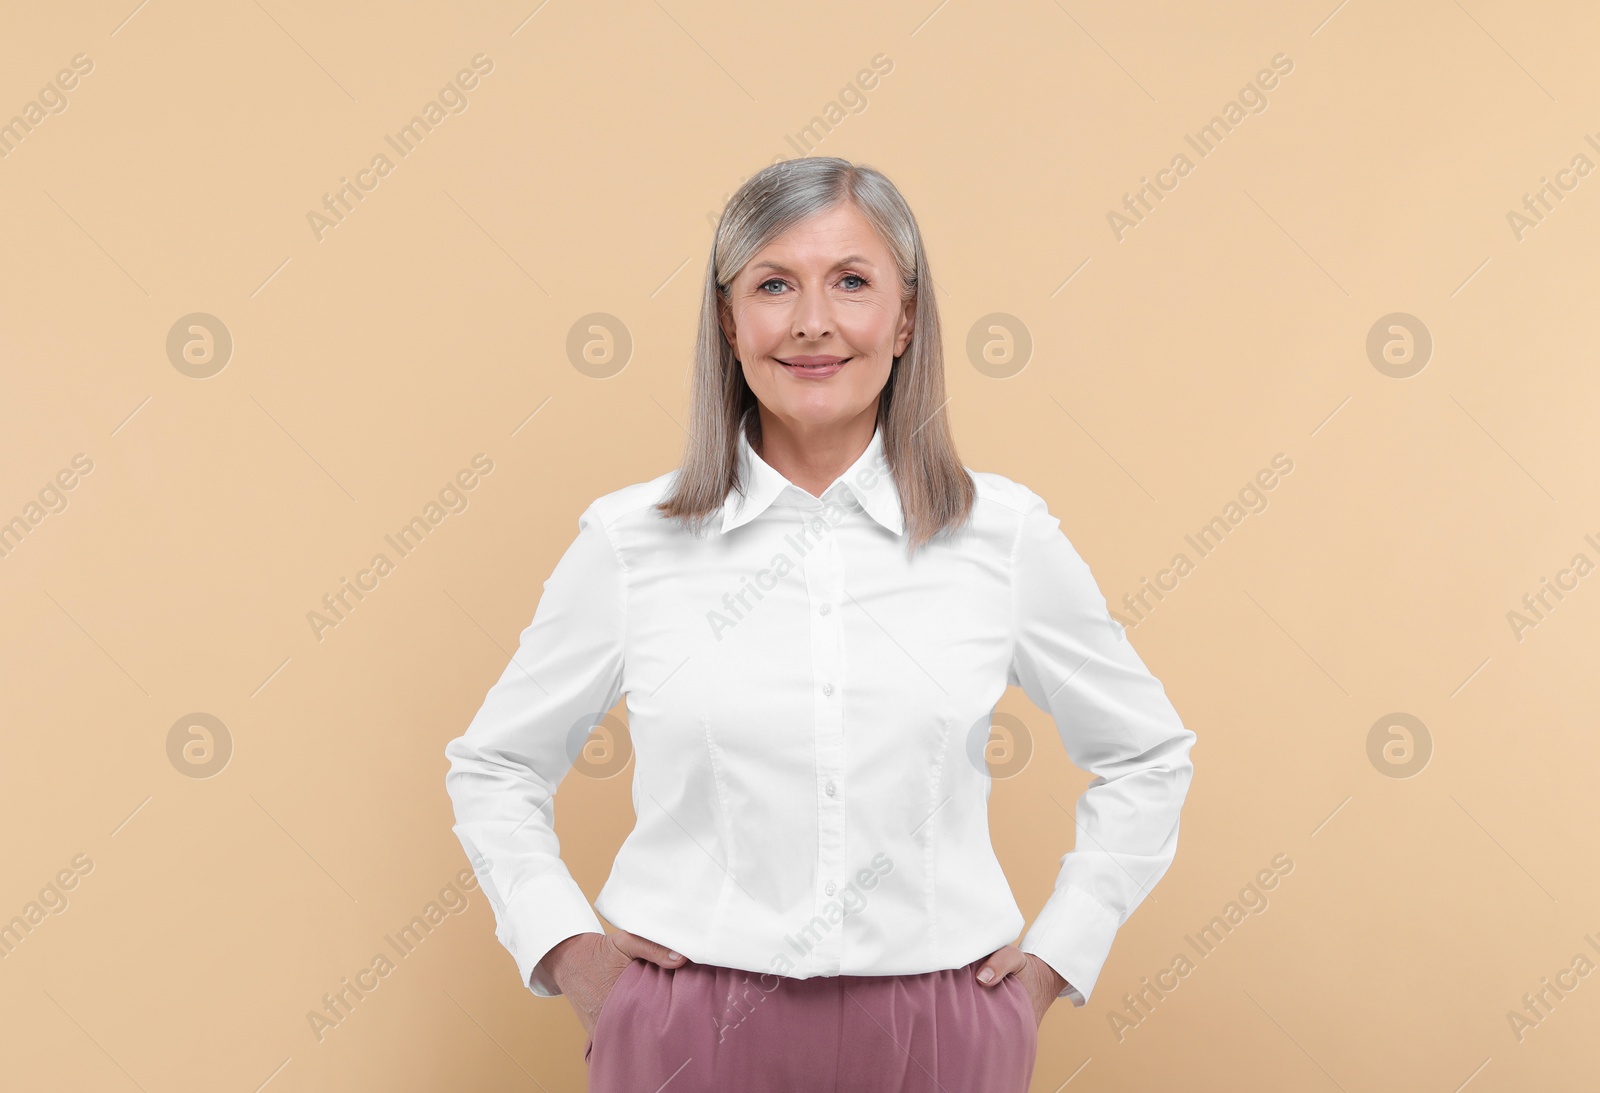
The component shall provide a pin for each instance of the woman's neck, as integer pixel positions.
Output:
(813, 455)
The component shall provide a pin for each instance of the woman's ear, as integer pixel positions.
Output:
(908, 322)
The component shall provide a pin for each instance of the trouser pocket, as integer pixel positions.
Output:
(608, 1005)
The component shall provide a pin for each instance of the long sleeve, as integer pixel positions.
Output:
(505, 768)
(1075, 663)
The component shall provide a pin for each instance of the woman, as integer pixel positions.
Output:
(812, 620)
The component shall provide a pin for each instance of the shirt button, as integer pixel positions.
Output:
(830, 789)
(826, 608)
(829, 889)
(827, 688)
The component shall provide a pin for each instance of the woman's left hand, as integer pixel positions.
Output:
(1044, 983)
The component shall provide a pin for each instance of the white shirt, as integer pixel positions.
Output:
(809, 713)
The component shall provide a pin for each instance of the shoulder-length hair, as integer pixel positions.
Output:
(936, 492)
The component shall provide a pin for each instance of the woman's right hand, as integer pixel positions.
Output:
(586, 967)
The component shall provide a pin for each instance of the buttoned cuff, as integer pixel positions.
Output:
(544, 912)
(1073, 935)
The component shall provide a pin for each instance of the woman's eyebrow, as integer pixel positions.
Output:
(849, 260)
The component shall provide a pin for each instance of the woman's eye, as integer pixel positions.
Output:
(847, 277)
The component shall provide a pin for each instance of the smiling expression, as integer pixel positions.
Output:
(816, 319)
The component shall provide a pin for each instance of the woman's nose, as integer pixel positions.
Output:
(813, 314)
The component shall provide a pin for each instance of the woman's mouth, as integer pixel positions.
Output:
(817, 367)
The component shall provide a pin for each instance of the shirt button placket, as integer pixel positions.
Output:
(824, 585)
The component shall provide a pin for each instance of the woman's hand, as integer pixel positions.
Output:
(1044, 983)
(586, 967)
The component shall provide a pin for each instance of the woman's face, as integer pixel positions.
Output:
(825, 289)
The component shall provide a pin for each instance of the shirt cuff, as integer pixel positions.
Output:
(544, 912)
(1073, 935)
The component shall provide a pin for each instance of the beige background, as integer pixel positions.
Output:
(210, 914)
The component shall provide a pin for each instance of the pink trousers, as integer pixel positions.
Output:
(701, 1028)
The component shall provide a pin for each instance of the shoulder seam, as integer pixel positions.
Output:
(605, 533)
(622, 579)
(986, 482)
(612, 506)
(1011, 576)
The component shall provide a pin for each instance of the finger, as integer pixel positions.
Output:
(1000, 964)
(643, 947)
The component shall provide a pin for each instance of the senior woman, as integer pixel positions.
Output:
(812, 619)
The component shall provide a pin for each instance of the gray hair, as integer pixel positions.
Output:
(936, 492)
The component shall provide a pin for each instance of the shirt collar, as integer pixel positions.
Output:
(867, 480)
